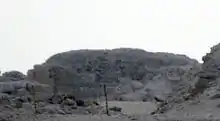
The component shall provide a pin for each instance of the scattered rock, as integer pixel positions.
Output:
(116, 109)
(96, 103)
(136, 85)
(21, 92)
(7, 116)
(92, 109)
(74, 107)
(69, 96)
(56, 99)
(18, 103)
(27, 106)
(14, 75)
(194, 102)
(4, 99)
(69, 102)
(6, 87)
(66, 109)
(216, 96)
(22, 88)
(133, 118)
(26, 98)
(209, 115)
(42, 104)
(80, 103)
(51, 109)
(218, 106)
(8, 107)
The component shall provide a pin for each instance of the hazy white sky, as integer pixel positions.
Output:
(33, 30)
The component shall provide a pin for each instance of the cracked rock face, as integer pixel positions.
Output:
(212, 59)
(12, 76)
(204, 100)
(130, 69)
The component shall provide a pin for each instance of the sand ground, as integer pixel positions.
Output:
(139, 111)
(128, 109)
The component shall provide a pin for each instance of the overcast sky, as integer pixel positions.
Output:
(33, 30)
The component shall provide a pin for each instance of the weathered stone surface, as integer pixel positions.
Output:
(4, 99)
(216, 96)
(69, 102)
(83, 70)
(5, 87)
(136, 85)
(28, 107)
(14, 76)
(80, 103)
(117, 109)
(7, 116)
(51, 109)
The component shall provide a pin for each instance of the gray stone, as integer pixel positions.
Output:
(216, 96)
(84, 69)
(42, 104)
(4, 99)
(69, 102)
(7, 116)
(136, 85)
(14, 75)
(51, 109)
(28, 107)
(116, 109)
(22, 92)
(6, 87)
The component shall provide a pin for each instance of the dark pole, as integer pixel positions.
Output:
(106, 100)
(55, 91)
(34, 98)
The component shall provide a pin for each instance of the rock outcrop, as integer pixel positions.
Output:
(133, 70)
(12, 76)
(201, 100)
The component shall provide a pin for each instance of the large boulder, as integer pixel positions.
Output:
(21, 92)
(4, 98)
(136, 85)
(7, 116)
(24, 87)
(6, 87)
(13, 86)
(115, 108)
(69, 102)
(14, 75)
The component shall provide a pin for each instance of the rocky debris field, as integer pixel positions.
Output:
(130, 74)
(26, 98)
(141, 86)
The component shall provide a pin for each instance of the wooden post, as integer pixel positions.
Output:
(34, 99)
(55, 90)
(106, 100)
